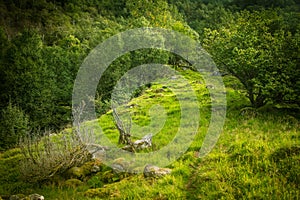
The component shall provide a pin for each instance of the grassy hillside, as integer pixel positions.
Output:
(257, 155)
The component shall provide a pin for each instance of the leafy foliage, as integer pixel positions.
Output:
(255, 51)
(14, 125)
(39, 60)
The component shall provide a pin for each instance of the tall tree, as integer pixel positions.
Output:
(26, 78)
(256, 53)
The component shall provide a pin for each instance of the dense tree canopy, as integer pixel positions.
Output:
(261, 54)
(43, 43)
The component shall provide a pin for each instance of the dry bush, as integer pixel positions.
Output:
(47, 154)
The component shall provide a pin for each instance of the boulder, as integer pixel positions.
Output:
(156, 172)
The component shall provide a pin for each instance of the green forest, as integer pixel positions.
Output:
(255, 45)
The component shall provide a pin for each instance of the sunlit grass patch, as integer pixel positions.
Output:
(256, 157)
(243, 163)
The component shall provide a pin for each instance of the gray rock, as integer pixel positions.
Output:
(156, 172)
(96, 169)
(118, 168)
(97, 151)
(23, 197)
(14, 197)
(120, 165)
(144, 143)
(216, 73)
(17, 197)
(36, 197)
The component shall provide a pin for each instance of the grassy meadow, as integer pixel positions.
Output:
(256, 157)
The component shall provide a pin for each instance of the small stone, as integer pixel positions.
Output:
(14, 197)
(117, 168)
(143, 143)
(216, 73)
(97, 151)
(210, 87)
(156, 172)
(120, 165)
(36, 197)
(96, 169)
(17, 197)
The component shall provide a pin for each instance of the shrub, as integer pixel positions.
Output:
(49, 154)
(13, 125)
(95, 182)
(10, 173)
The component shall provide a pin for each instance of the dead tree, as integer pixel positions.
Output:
(125, 135)
(124, 129)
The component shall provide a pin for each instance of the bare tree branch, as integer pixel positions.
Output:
(124, 129)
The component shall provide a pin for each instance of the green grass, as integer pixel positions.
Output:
(256, 157)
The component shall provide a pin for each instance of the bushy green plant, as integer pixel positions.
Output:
(13, 126)
(10, 173)
(261, 55)
(95, 182)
